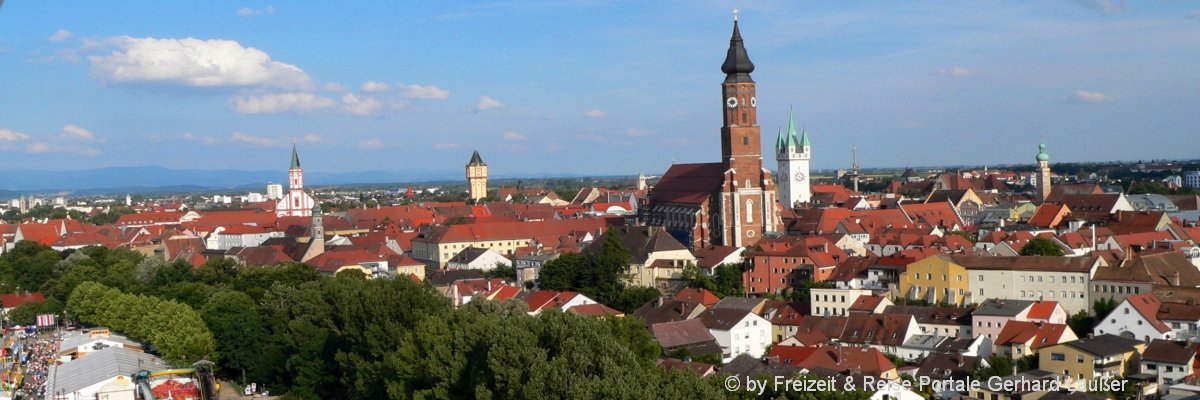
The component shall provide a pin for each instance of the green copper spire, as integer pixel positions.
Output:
(1042, 156)
(779, 140)
(791, 134)
(804, 138)
(295, 158)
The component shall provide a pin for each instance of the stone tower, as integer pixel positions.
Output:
(477, 175)
(793, 153)
(1043, 173)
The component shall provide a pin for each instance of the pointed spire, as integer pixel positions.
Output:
(476, 159)
(791, 133)
(295, 158)
(804, 138)
(779, 144)
(737, 66)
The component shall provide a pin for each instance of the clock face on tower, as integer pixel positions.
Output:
(731, 102)
(754, 102)
(799, 177)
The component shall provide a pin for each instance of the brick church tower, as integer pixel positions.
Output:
(747, 198)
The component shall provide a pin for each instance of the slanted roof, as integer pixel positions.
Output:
(681, 333)
(1025, 263)
(688, 183)
(1036, 334)
(697, 295)
(1148, 305)
(723, 319)
(1042, 309)
(102, 365)
(1105, 345)
(1002, 307)
(1177, 352)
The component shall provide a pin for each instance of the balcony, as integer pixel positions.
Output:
(1101, 365)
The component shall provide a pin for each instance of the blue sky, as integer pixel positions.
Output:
(588, 87)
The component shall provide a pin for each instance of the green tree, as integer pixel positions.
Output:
(26, 314)
(998, 365)
(1040, 246)
(1102, 307)
(233, 318)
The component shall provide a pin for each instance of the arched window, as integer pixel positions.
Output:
(749, 208)
(746, 140)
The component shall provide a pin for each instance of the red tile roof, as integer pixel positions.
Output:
(688, 183)
(1148, 305)
(595, 310)
(697, 295)
(1035, 334)
(792, 354)
(45, 234)
(1042, 309)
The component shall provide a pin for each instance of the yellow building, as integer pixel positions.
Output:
(1092, 359)
(477, 174)
(936, 280)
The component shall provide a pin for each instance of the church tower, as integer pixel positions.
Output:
(477, 174)
(316, 240)
(747, 198)
(296, 203)
(794, 155)
(1042, 173)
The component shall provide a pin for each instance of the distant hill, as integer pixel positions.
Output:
(153, 179)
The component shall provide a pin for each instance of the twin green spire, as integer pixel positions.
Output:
(783, 141)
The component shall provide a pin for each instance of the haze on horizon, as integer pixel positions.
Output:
(588, 87)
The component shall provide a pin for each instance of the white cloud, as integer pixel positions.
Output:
(9, 135)
(955, 71)
(431, 92)
(372, 143)
(445, 146)
(76, 132)
(1106, 7)
(488, 103)
(595, 113)
(43, 148)
(250, 12)
(194, 63)
(514, 135)
(334, 87)
(375, 87)
(635, 132)
(295, 102)
(360, 105)
(311, 138)
(60, 35)
(261, 141)
(188, 136)
(1091, 97)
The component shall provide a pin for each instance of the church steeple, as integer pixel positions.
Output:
(737, 66)
(295, 158)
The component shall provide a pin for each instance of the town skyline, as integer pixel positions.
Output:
(495, 77)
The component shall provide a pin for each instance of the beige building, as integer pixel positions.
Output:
(1092, 359)
(1062, 279)
(656, 259)
(477, 174)
(834, 302)
(436, 246)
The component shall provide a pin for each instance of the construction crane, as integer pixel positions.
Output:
(196, 383)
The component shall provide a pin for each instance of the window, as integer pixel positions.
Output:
(981, 278)
(1052, 294)
(1079, 358)
(1064, 294)
(1052, 279)
(1039, 279)
(1022, 293)
(1125, 310)
(1058, 356)
(749, 208)
(981, 293)
(944, 277)
(960, 278)
(1022, 278)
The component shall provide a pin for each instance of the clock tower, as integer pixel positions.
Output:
(793, 155)
(747, 197)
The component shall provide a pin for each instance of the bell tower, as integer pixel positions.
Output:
(747, 207)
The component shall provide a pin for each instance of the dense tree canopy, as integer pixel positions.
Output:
(1040, 246)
